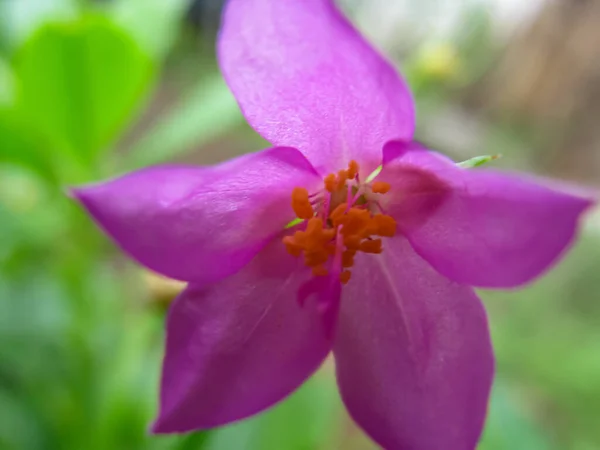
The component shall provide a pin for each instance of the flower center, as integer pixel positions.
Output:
(341, 220)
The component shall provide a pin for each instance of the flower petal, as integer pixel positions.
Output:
(303, 76)
(477, 226)
(326, 291)
(236, 347)
(413, 355)
(200, 224)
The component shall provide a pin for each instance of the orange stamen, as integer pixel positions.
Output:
(341, 179)
(355, 221)
(353, 169)
(345, 276)
(347, 223)
(338, 213)
(300, 203)
(330, 182)
(314, 226)
(315, 236)
(373, 246)
(384, 225)
(352, 242)
(319, 271)
(292, 246)
(330, 249)
(348, 258)
(380, 187)
(315, 258)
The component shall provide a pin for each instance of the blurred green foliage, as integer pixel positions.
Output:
(79, 82)
(82, 97)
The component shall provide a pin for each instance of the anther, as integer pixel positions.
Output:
(331, 249)
(373, 246)
(352, 242)
(314, 226)
(380, 187)
(341, 179)
(292, 246)
(355, 221)
(301, 204)
(330, 182)
(353, 169)
(338, 213)
(345, 276)
(348, 258)
(315, 258)
(319, 271)
(384, 225)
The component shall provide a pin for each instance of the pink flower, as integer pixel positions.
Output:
(379, 271)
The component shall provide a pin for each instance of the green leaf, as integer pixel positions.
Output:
(204, 114)
(477, 161)
(159, 27)
(6, 84)
(19, 146)
(80, 83)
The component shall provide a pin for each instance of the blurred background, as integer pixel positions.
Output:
(91, 89)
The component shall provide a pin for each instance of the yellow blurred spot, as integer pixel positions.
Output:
(439, 61)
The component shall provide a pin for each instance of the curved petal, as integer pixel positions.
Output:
(236, 347)
(478, 227)
(413, 355)
(200, 224)
(304, 77)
